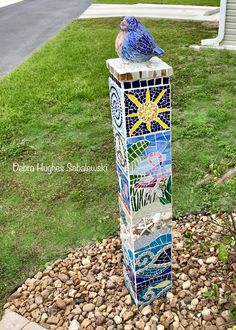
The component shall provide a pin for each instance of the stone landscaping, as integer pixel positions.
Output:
(85, 290)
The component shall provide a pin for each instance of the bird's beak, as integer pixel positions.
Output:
(123, 25)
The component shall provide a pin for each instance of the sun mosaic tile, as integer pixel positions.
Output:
(147, 110)
(141, 119)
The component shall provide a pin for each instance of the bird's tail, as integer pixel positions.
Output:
(158, 51)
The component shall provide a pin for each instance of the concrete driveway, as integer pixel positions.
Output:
(174, 12)
(26, 25)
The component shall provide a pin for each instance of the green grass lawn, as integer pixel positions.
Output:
(168, 2)
(55, 109)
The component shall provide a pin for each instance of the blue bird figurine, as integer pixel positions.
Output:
(134, 43)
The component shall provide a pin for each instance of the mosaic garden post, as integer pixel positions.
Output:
(140, 99)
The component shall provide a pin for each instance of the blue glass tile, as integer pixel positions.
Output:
(165, 81)
(143, 83)
(127, 85)
(136, 84)
(151, 82)
(158, 81)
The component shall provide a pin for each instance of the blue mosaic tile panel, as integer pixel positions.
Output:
(129, 279)
(147, 110)
(149, 163)
(121, 151)
(141, 119)
(146, 83)
(148, 238)
(149, 268)
(117, 107)
(128, 256)
(123, 187)
(152, 288)
(125, 218)
(153, 268)
(163, 238)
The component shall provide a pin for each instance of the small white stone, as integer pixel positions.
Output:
(86, 262)
(211, 260)
(147, 327)
(128, 327)
(57, 284)
(222, 301)
(175, 325)
(226, 315)
(30, 281)
(170, 295)
(128, 300)
(74, 325)
(38, 276)
(183, 277)
(173, 301)
(117, 319)
(146, 310)
(180, 245)
(194, 302)
(168, 314)
(234, 267)
(88, 307)
(206, 311)
(186, 285)
(44, 317)
(72, 293)
(160, 327)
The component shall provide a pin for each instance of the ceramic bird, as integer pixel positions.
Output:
(134, 43)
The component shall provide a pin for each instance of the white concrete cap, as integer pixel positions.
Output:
(155, 68)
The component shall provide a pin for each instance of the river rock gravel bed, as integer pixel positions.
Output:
(86, 290)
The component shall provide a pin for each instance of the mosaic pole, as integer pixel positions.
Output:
(140, 104)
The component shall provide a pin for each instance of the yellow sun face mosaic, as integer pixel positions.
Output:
(147, 110)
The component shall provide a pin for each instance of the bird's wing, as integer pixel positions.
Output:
(142, 42)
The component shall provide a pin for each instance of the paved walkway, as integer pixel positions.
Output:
(14, 321)
(175, 12)
(26, 25)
